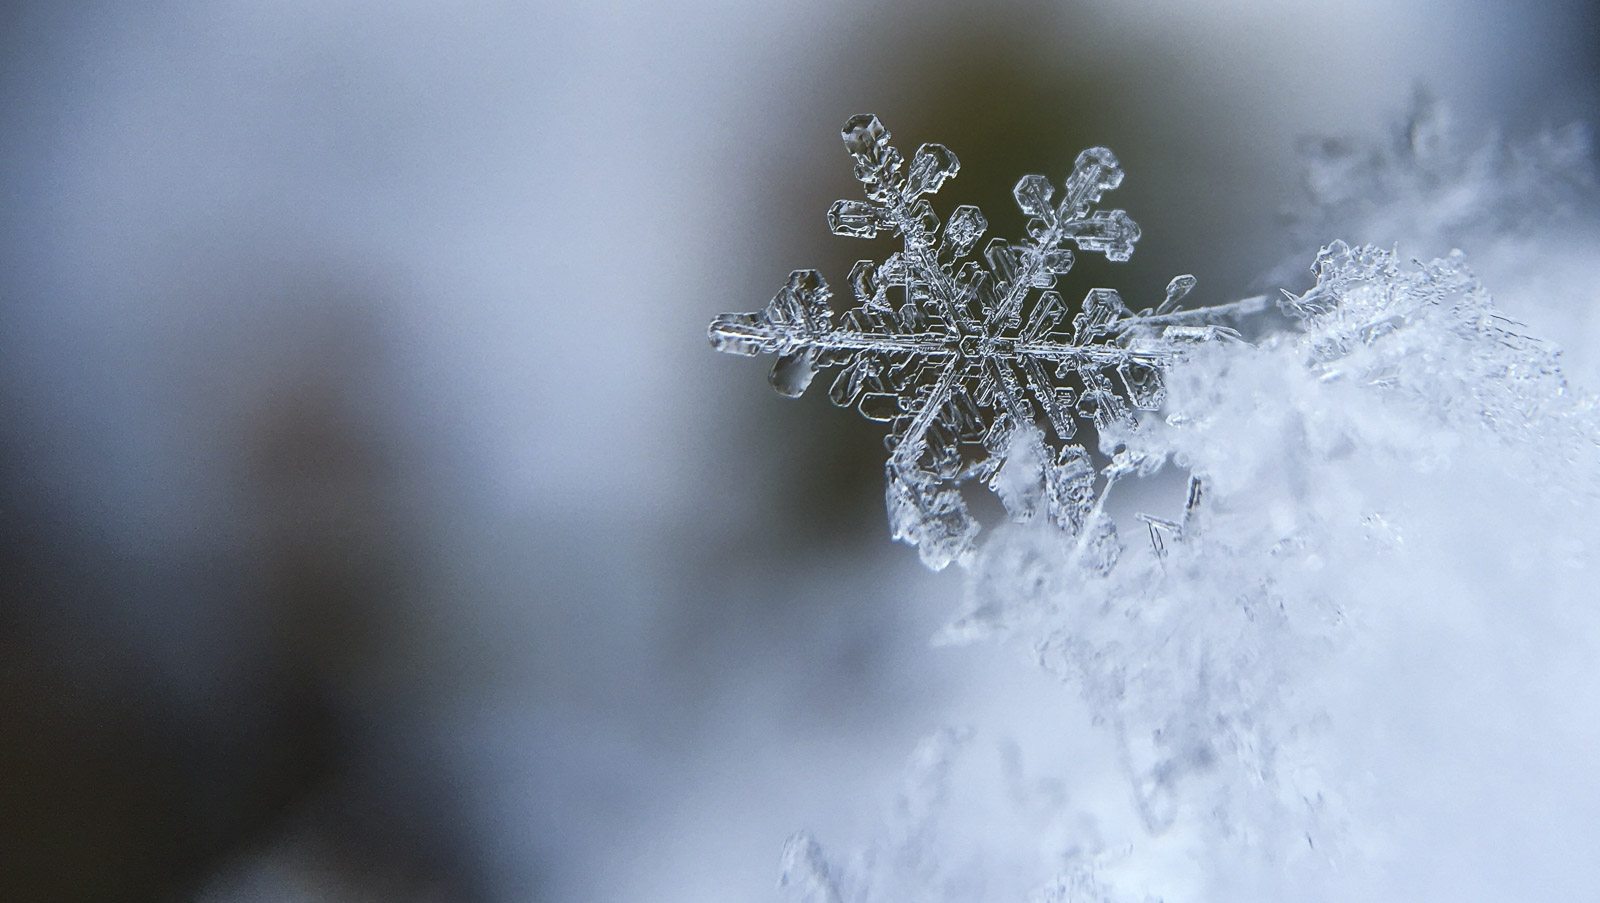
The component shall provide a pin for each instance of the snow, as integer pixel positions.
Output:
(1338, 673)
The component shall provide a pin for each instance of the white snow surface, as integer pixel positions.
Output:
(1360, 669)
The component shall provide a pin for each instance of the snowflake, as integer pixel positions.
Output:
(974, 363)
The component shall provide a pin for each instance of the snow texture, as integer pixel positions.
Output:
(1433, 185)
(1246, 665)
(975, 363)
(1527, 207)
(1355, 664)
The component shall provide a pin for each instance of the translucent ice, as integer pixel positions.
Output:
(968, 359)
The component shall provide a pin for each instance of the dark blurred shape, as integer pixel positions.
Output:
(293, 768)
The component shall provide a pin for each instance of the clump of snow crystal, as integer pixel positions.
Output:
(1527, 207)
(1394, 506)
(1432, 184)
(1348, 472)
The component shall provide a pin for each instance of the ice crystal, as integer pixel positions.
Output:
(1432, 333)
(1320, 450)
(978, 365)
(1239, 670)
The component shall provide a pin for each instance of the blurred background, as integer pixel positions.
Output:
(378, 525)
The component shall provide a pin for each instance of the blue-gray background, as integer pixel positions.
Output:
(376, 522)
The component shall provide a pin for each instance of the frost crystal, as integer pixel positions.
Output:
(975, 363)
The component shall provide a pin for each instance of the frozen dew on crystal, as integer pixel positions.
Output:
(864, 134)
(1177, 289)
(968, 359)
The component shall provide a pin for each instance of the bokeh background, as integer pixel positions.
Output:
(377, 524)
